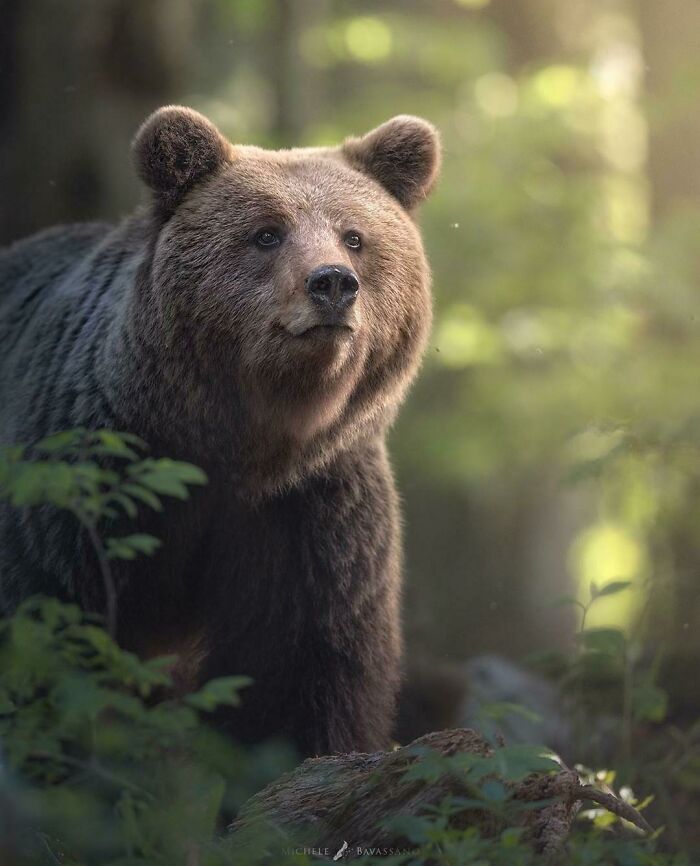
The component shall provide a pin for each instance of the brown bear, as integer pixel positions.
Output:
(262, 318)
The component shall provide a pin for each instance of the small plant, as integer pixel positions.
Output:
(490, 783)
(98, 476)
(610, 685)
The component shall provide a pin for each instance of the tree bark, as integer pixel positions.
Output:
(345, 799)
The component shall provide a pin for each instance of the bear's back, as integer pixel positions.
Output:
(38, 288)
(32, 265)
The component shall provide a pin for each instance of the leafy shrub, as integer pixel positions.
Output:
(102, 764)
(100, 767)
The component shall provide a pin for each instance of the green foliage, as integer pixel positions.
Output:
(436, 838)
(608, 656)
(611, 684)
(99, 476)
(510, 763)
(101, 763)
(63, 470)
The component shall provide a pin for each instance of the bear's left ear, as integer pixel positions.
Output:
(175, 148)
(403, 154)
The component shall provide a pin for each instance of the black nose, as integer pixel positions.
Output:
(333, 286)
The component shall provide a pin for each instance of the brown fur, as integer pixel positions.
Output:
(287, 566)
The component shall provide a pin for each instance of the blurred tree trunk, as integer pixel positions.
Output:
(287, 71)
(529, 27)
(297, 87)
(671, 45)
(77, 78)
(671, 39)
(494, 555)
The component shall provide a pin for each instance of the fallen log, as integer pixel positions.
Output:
(336, 806)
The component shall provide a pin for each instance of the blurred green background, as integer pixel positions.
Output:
(552, 439)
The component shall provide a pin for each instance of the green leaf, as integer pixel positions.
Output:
(127, 504)
(65, 440)
(167, 477)
(159, 479)
(143, 494)
(33, 483)
(494, 791)
(79, 698)
(123, 453)
(190, 474)
(516, 762)
(416, 829)
(610, 641)
(117, 550)
(129, 439)
(613, 588)
(649, 703)
(143, 543)
(131, 545)
(218, 692)
(430, 766)
(116, 444)
(511, 837)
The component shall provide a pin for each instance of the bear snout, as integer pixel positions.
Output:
(332, 288)
(325, 304)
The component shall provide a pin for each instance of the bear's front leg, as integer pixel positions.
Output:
(349, 681)
(312, 613)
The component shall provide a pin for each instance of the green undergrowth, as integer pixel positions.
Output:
(101, 764)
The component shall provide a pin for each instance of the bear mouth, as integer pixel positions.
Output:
(324, 331)
(319, 332)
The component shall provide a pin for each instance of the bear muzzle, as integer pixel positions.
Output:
(327, 307)
(333, 289)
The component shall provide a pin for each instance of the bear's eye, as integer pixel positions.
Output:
(352, 240)
(267, 238)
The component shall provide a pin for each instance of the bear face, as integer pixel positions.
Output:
(296, 279)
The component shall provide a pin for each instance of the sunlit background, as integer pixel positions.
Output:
(552, 441)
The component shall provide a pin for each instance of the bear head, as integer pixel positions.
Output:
(287, 288)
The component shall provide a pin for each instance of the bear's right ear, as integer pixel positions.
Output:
(403, 154)
(175, 148)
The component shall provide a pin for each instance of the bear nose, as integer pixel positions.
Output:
(333, 285)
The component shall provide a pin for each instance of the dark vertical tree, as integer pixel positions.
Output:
(76, 78)
(671, 39)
